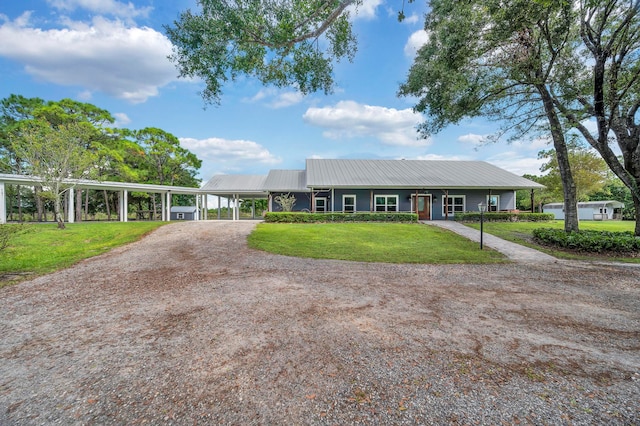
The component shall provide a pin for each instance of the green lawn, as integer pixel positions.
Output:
(521, 233)
(370, 242)
(42, 248)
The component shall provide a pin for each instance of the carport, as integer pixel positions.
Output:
(236, 188)
(122, 188)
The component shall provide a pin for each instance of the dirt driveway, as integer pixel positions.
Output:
(189, 326)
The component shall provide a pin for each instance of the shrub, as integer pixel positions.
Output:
(7, 232)
(589, 241)
(298, 217)
(504, 217)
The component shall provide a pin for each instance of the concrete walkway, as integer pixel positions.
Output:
(513, 251)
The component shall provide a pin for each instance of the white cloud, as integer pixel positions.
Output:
(349, 119)
(415, 42)
(517, 163)
(366, 10)
(473, 139)
(438, 157)
(107, 56)
(225, 150)
(122, 119)
(102, 7)
(276, 99)
(410, 20)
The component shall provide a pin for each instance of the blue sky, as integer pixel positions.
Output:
(113, 54)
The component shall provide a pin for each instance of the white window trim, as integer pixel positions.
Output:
(452, 212)
(180, 216)
(315, 207)
(355, 202)
(497, 201)
(386, 204)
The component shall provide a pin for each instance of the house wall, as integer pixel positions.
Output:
(471, 199)
(303, 201)
(187, 216)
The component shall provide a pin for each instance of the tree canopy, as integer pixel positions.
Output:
(279, 42)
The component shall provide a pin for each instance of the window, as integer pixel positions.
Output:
(493, 203)
(453, 204)
(604, 211)
(180, 216)
(386, 203)
(349, 203)
(321, 205)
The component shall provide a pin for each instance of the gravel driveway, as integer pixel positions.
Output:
(189, 326)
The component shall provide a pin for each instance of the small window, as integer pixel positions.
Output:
(453, 204)
(321, 205)
(180, 215)
(349, 203)
(493, 203)
(603, 210)
(386, 203)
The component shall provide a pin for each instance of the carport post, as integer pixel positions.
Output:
(168, 211)
(71, 210)
(3, 205)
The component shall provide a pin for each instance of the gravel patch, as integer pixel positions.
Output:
(189, 326)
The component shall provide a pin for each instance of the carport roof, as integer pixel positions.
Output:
(244, 185)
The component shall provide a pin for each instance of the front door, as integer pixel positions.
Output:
(424, 207)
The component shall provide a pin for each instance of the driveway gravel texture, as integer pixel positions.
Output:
(190, 326)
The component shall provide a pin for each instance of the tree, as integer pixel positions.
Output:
(496, 59)
(55, 155)
(589, 170)
(279, 42)
(605, 86)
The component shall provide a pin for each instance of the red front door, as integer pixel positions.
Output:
(424, 207)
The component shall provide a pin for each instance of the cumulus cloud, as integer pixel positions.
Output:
(125, 62)
(415, 42)
(103, 7)
(517, 163)
(473, 139)
(366, 10)
(225, 150)
(348, 119)
(276, 99)
(122, 119)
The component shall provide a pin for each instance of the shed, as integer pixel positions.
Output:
(184, 213)
(589, 210)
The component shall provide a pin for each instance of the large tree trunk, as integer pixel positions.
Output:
(78, 206)
(571, 223)
(39, 203)
(106, 203)
(57, 211)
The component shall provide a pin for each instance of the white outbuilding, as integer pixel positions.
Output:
(589, 210)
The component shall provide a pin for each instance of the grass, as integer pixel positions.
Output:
(370, 242)
(522, 233)
(43, 248)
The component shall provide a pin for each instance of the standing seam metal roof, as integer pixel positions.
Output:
(411, 174)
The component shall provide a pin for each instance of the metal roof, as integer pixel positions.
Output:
(245, 185)
(286, 181)
(96, 184)
(323, 173)
(586, 204)
(183, 209)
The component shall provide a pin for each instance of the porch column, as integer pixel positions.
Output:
(168, 212)
(71, 210)
(219, 207)
(3, 204)
(253, 208)
(123, 201)
(333, 200)
(163, 207)
(228, 207)
(206, 206)
(198, 212)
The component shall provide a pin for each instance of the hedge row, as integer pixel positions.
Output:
(298, 217)
(504, 217)
(589, 241)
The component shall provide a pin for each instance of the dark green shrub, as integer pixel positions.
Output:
(589, 241)
(504, 217)
(299, 217)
